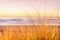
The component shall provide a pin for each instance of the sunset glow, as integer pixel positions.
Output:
(33, 7)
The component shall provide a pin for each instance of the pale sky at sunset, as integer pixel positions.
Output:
(19, 7)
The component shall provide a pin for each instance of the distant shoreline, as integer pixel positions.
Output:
(26, 20)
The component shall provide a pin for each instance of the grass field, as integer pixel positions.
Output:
(29, 32)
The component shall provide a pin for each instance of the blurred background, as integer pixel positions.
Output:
(32, 7)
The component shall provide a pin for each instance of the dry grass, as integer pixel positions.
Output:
(30, 32)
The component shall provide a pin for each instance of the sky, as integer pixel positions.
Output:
(20, 7)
